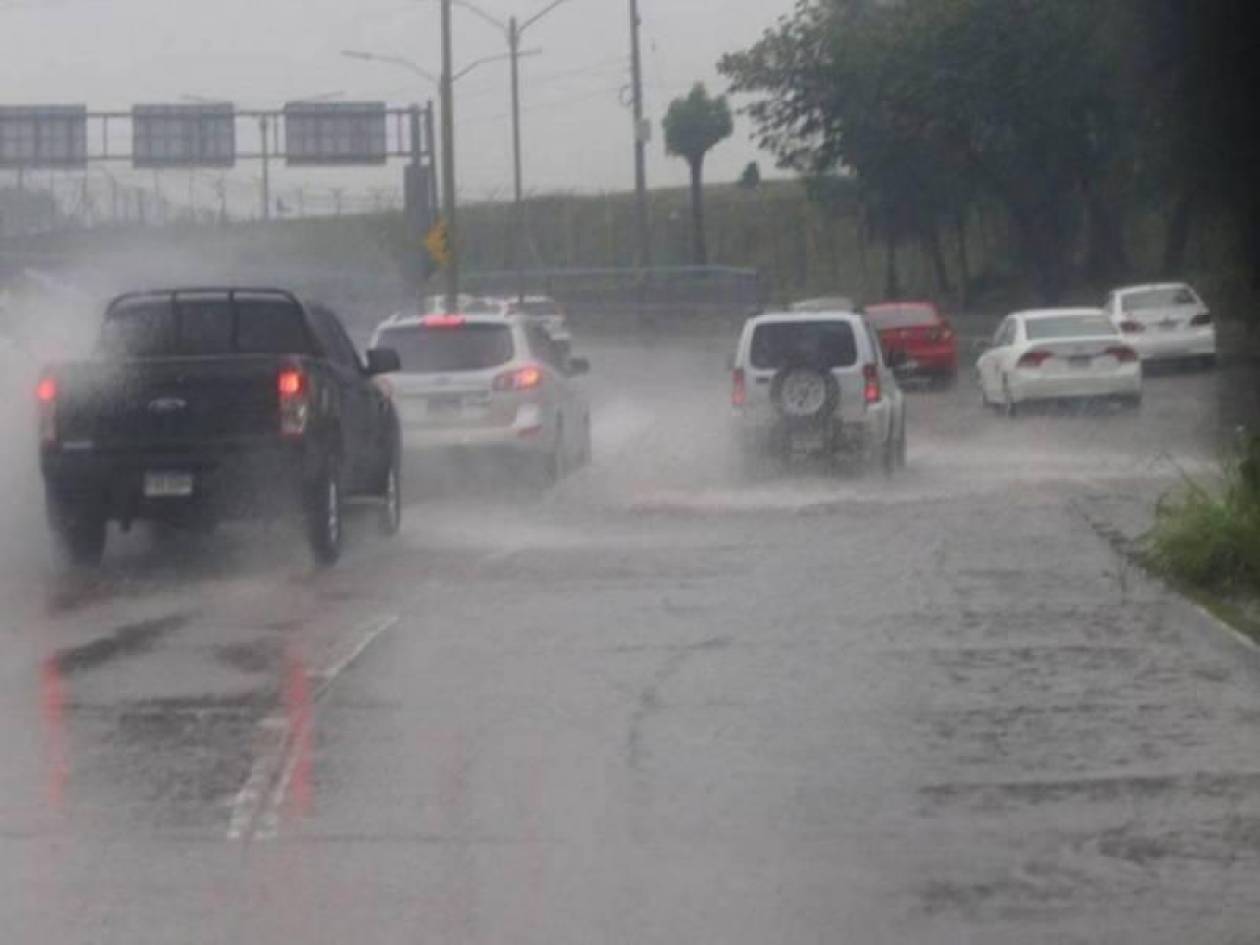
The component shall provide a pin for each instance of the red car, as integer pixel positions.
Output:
(922, 333)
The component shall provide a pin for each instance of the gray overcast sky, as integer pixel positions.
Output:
(113, 53)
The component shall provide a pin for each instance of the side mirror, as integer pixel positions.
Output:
(896, 358)
(579, 366)
(382, 361)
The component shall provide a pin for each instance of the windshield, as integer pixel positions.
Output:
(441, 350)
(885, 317)
(823, 345)
(1069, 326)
(1158, 298)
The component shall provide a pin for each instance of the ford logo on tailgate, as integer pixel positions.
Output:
(165, 405)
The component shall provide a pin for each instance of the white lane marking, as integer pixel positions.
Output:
(256, 806)
(364, 637)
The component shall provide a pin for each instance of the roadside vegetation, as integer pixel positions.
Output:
(1207, 537)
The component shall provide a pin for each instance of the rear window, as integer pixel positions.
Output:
(901, 316)
(203, 326)
(437, 350)
(823, 345)
(1069, 326)
(1158, 298)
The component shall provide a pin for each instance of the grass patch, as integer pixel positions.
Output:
(1206, 539)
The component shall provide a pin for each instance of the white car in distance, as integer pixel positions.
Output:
(1164, 322)
(491, 386)
(1063, 354)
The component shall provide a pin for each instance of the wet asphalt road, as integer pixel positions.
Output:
(662, 704)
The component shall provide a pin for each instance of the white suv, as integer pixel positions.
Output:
(488, 384)
(817, 383)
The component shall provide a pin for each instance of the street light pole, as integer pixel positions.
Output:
(513, 30)
(640, 143)
(448, 161)
(518, 207)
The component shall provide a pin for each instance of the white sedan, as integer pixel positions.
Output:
(1164, 321)
(1058, 354)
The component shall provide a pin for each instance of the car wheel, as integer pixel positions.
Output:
(324, 515)
(901, 445)
(1008, 406)
(390, 516)
(79, 531)
(585, 449)
(888, 455)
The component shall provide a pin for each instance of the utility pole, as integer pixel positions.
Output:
(518, 207)
(448, 161)
(644, 252)
(266, 170)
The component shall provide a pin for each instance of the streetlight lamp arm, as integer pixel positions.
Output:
(478, 11)
(540, 14)
(487, 59)
(391, 60)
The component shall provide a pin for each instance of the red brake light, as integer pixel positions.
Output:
(526, 378)
(1203, 318)
(871, 389)
(290, 383)
(739, 388)
(443, 321)
(1034, 359)
(1122, 354)
(46, 395)
(1132, 328)
(295, 406)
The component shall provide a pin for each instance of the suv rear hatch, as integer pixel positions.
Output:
(824, 344)
(450, 366)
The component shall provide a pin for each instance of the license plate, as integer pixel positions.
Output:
(168, 485)
(445, 406)
(805, 442)
(1080, 361)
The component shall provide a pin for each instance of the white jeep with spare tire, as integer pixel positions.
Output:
(817, 384)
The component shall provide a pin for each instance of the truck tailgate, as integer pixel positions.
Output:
(167, 403)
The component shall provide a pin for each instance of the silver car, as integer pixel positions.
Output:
(494, 385)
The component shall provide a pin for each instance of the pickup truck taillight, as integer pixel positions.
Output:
(293, 388)
(46, 398)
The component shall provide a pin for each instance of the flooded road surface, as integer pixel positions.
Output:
(663, 703)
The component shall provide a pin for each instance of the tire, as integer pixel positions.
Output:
(901, 445)
(324, 512)
(1207, 362)
(585, 450)
(888, 454)
(831, 392)
(389, 517)
(550, 467)
(1133, 402)
(1009, 408)
(78, 531)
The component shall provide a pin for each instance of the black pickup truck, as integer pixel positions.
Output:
(206, 404)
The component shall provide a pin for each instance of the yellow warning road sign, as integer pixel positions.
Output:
(438, 243)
